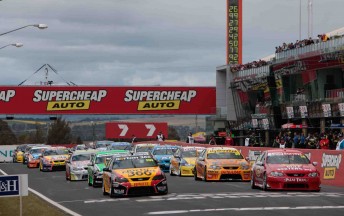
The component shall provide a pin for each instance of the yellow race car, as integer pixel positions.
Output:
(183, 160)
(54, 158)
(133, 175)
(222, 163)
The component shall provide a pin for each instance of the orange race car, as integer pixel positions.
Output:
(222, 163)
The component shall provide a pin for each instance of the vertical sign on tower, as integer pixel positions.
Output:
(234, 32)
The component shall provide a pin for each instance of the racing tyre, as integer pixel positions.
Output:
(195, 174)
(253, 186)
(205, 174)
(93, 184)
(264, 187)
(112, 195)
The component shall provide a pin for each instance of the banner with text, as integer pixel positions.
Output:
(126, 130)
(106, 100)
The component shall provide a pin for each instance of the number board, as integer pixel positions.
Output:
(234, 31)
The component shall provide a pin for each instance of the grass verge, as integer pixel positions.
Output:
(32, 205)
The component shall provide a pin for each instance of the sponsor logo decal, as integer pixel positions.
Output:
(329, 173)
(7, 95)
(159, 100)
(68, 100)
(330, 163)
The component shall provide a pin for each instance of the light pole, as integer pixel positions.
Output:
(15, 44)
(40, 26)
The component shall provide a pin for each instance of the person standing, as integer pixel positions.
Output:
(160, 136)
(133, 139)
(190, 139)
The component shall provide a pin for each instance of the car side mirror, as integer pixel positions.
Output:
(106, 169)
(315, 163)
(247, 158)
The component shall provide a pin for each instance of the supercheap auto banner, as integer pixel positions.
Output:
(106, 100)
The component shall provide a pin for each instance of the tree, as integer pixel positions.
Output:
(7, 136)
(38, 135)
(173, 134)
(78, 140)
(59, 132)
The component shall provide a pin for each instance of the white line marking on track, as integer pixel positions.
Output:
(68, 211)
(245, 209)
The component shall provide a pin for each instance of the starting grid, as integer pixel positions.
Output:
(176, 197)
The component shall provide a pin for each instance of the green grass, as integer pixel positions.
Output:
(32, 205)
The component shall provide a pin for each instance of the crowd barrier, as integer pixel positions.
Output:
(329, 162)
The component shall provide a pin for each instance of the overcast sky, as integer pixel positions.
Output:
(144, 42)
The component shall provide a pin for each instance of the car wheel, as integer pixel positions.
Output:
(253, 183)
(195, 174)
(170, 171)
(112, 195)
(205, 174)
(93, 184)
(265, 188)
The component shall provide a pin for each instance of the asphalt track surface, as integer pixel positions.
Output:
(185, 197)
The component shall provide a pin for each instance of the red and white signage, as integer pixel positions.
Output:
(106, 100)
(126, 130)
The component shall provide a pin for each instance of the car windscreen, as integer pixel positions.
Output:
(143, 148)
(164, 151)
(36, 151)
(287, 159)
(56, 152)
(102, 158)
(224, 155)
(192, 153)
(129, 162)
(81, 157)
(120, 147)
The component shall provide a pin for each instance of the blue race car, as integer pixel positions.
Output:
(163, 154)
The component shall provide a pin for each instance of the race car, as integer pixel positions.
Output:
(76, 166)
(285, 169)
(34, 155)
(133, 175)
(102, 144)
(183, 161)
(18, 153)
(26, 151)
(144, 147)
(221, 163)
(162, 154)
(97, 163)
(53, 158)
(119, 146)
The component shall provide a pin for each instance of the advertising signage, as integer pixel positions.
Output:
(107, 100)
(13, 185)
(126, 130)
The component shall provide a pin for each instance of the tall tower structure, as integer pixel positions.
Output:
(234, 32)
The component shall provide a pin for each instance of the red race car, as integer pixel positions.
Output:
(285, 169)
